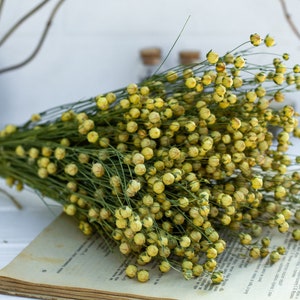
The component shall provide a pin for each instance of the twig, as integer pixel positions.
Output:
(289, 19)
(13, 200)
(40, 43)
(21, 21)
(1, 6)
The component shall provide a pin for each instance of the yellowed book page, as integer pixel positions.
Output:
(64, 257)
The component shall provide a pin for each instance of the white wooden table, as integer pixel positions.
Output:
(18, 227)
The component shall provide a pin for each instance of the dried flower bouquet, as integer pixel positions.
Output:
(162, 166)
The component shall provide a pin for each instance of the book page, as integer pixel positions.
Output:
(63, 256)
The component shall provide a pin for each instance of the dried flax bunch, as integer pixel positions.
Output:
(162, 167)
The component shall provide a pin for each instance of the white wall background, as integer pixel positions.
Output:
(93, 45)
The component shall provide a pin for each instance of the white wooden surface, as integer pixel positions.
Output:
(18, 227)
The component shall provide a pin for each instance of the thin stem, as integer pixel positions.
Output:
(40, 43)
(173, 45)
(289, 19)
(13, 200)
(1, 6)
(21, 21)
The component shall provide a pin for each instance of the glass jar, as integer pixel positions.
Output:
(150, 61)
(187, 57)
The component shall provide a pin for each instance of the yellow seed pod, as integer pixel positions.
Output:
(35, 117)
(193, 151)
(158, 187)
(296, 234)
(139, 238)
(98, 170)
(42, 173)
(147, 200)
(43, 162)
(278, 78)
(296, 68)
(132, 88)
(255, 39)
(212, 57)
(190, 126)
(260, 77)
(237, 82)
(154, 117)
(147, 222)
(174, 126)
(195, 236)
(207, 143)
(144, 90)
(251, 96)
(70, 209)
(280, 192)
(88, 125)
(20, 151)
(147, 152)
(168, 178)
(152, 250)
(159, 102)
(210, 264)
(33, 153)
(204, 113)
(174, 153)
(269, 41)
(135, 225)
(102, 103)
(211, 252)
(226, 158)
(206, 79)
(197, 270)
(134, 112)
(284, 227)
(220, 90)
(92, 137)
(67, 116)
(83, 158)
(164, 266)
(185, 241)
(131, 271)
(51, 168)
(245, 238)
(183, 202)
(143, 275)
(280, 68)
(239, 145)
(124, 103)
(214, 161)
(138, 158)
(191, 82)
(155, 133)
(104, 142)
(132, 126)
(172, 76)
(46, 151)
(140, 169)
(239, 62)
(274, 256)
(71, 169)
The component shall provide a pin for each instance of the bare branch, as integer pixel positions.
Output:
(1, 5)
(289, 19)
(21, 21)
(40, 43)
(12, 199)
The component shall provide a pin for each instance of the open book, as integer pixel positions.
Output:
(62, 263)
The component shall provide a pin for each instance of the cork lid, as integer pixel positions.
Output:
(150, 56)
(189, 56)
